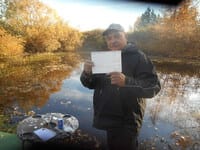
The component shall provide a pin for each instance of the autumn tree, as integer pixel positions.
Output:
(182, 19)
(69, 38)
(93, 40)
(41, 27)
(180, 29)
(24, 14)
(10, 45)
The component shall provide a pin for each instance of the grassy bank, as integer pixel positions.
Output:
(184, 66)
(20, 64)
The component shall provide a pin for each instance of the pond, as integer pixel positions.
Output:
(172, 118)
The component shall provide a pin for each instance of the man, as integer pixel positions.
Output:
(118, 98)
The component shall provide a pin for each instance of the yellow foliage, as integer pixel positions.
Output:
(56, 37)
(42, 28)
(69, 38)
(25, 13)
(10, 45)
(41, 39)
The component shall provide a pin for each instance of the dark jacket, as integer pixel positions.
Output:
(123, 106)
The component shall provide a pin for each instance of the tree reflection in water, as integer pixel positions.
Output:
(177, 104)
(34, 91)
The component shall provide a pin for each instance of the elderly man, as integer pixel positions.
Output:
(118, 98)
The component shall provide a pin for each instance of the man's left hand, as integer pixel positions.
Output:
(117, 78)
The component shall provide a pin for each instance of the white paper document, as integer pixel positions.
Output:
(44, 134)
(106, 61)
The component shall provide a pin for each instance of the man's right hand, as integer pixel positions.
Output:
(88, 66)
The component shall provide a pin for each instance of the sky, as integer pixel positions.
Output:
(91, 14)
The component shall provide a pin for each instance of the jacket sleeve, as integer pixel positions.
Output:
(88, 80)
(146, 83)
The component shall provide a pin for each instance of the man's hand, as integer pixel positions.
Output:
(117, 78)
(88, 66)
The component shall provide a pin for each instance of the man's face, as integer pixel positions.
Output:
(116, 40)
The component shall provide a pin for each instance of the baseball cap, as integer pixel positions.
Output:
(114, 27)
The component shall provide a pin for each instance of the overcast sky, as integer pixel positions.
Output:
(90, 14)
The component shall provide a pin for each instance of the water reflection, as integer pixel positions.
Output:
(176, 109)
(74, 99)
(173, 114)
(178, 102)
(34, 91)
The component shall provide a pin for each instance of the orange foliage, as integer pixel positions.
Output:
(25, 13)
(42, 28)
(69, 38)
(10, 45)
(57, 37)
(182, 20)
(41, 39)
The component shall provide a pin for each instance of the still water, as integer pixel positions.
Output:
(172, 118)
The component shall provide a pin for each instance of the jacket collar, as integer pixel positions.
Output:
(129, 48)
